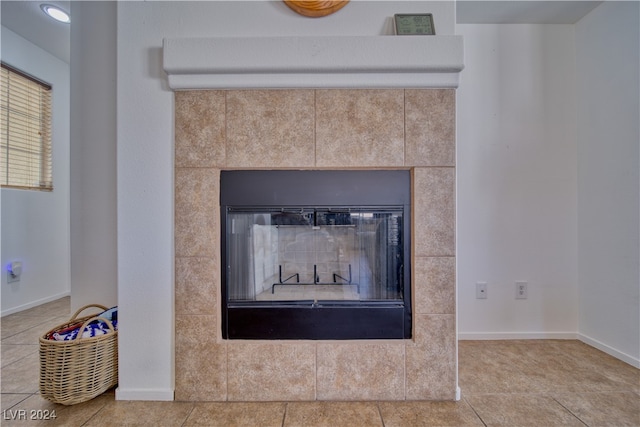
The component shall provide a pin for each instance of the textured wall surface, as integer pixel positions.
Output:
(331, 129)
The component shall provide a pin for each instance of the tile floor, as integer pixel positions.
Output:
(504, 383)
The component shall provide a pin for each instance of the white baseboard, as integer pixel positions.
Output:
(144, 394)
(34, 304)
(633, 361)
(469, 336)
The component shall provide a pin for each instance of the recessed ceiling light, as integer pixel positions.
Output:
(56, 13)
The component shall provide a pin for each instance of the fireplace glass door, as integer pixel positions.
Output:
(315, 254)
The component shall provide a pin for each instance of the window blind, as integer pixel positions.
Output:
(25, 131)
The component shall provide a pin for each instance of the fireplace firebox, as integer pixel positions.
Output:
(315, 254)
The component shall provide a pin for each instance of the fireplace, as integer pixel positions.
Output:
(316, 254)
(406, 131)
(315, 104)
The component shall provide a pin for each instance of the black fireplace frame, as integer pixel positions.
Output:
(322, 320)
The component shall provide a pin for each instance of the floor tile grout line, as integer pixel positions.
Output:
(284, 415)
(28, 395)
(94, 415)
(184, 423)
(380, 413)
(474, 411)
(29, 329)
(7, 343)
(569, 410)
(16, 361)
(21, 332)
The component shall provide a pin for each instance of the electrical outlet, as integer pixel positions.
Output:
(521, 290)
(14, 270)
(481, 290)
(12, 277)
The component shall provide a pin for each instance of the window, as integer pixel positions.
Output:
(25, 131)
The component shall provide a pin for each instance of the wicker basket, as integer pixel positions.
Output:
(78, 370)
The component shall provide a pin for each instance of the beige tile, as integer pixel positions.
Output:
(201, 363)
(623, 377)
(568, 377)
(32, 335)
(474, 381)
(585, 354)
(22, 376)
(430, 377)
(237, 414)
(12, 353)
(362, 371)
(197, 285)
(618, 375)
(15, 324)
(431, 360)
(436, 332)
(360, 128)
(8, 400)
(434, 215)
(521, 410)
(332, 414)
(517, 353)
(261, 371)
(270, 128)
(200, 128)
(554, 366)
(430, 121)
(483, 367)
(435, 285)
(196, 212)
(59, 307)
(201, 372)
(138, 413)
(603, 409)
(193, 329)
(443, 414)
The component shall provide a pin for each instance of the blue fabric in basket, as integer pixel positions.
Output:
(93, 329)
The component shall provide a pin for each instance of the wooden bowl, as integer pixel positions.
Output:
(316, 8)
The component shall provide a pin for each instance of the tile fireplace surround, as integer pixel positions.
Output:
(410, 129)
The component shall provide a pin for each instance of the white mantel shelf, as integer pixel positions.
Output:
(313, 62)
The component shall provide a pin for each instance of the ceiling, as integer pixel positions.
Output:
(25, 18)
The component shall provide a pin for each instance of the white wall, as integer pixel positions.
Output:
(516, 166)
(608, 58)
(35, 224)
(94, 265)
(145, 154)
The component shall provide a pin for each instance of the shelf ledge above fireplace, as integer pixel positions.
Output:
(313, 62)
